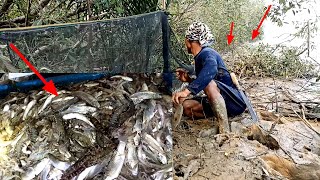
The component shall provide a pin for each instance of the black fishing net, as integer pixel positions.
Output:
(132, 44)
(136, 44)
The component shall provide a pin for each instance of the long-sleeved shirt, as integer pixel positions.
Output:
(208, 66)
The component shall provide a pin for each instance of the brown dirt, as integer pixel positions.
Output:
(233, 156)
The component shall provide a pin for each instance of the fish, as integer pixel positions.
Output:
(132, 158)
(159, 175)
(36, 170)
(115, 166)
(80, 109)
(62, 99)
(121, 77)
(62, 106)
(28, 108)
(58, 164)
(149, 112)
(143, 159)
(177, 116)
(46, 103)
(153, 143)
(45, 172)
(141, 96)
(144, 87)
(77, 116)
(87, 98)
(6, 108)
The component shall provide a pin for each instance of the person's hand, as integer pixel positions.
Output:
(179, 97)
(182, 75)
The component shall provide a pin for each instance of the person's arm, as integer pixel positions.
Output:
(208, 72)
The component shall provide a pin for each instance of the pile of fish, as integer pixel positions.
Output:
(112, 128)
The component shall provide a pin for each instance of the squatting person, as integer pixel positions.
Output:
(222, 98)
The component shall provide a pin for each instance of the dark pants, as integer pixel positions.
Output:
(232, 97)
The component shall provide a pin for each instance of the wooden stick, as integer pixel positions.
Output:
(306, 122)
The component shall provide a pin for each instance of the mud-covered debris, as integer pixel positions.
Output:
(265, 139)
(192, 168)
(208, 132)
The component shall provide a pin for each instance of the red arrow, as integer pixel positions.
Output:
(48, 86)
(256, 32)
(229, 36)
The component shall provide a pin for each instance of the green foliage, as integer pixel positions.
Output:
(265, 61)
(218, 14)
(71, 11)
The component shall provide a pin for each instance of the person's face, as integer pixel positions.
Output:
(188, 45)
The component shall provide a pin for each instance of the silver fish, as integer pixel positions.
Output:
(117, 163)
(33, 172)
(144, 87)
(159, 175)
(55, 174)
(80, 109)
(45, 172)
(140, 96)
(91, 84)
(46, 103)
(28, 108)
(6, 108)
(126, 78)
(149, 112)
(90, 172)
(132, 158)
(62, 99)
(58, 164)
(143, 159)
(137, 126)
(77, 116)
(153, 143)
(136, 139)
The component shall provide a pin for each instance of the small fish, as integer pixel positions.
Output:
(77, 116)
(126, 78)
(137, 126)
(132, 158)
(140, 96)
(159, 175)
(55, 174)
(136, 139)
(144, 87)
(149, 112)
(91, 84)
(62, 99)
(28, 108)
(177, 116)
(153, 143)
(58, 164)
(45, 172)
(143, 159)
(87, 98)
(33, 172)
(80, 109)
(6, 108)
(117, 163)
(46, 103)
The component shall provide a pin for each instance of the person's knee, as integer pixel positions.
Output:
(187, 108)
(212, 91)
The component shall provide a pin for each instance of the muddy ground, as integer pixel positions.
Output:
(289, 150)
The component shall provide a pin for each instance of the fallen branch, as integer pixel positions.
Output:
(306, 122)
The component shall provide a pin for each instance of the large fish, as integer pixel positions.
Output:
(141, 96)
(115, 166)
